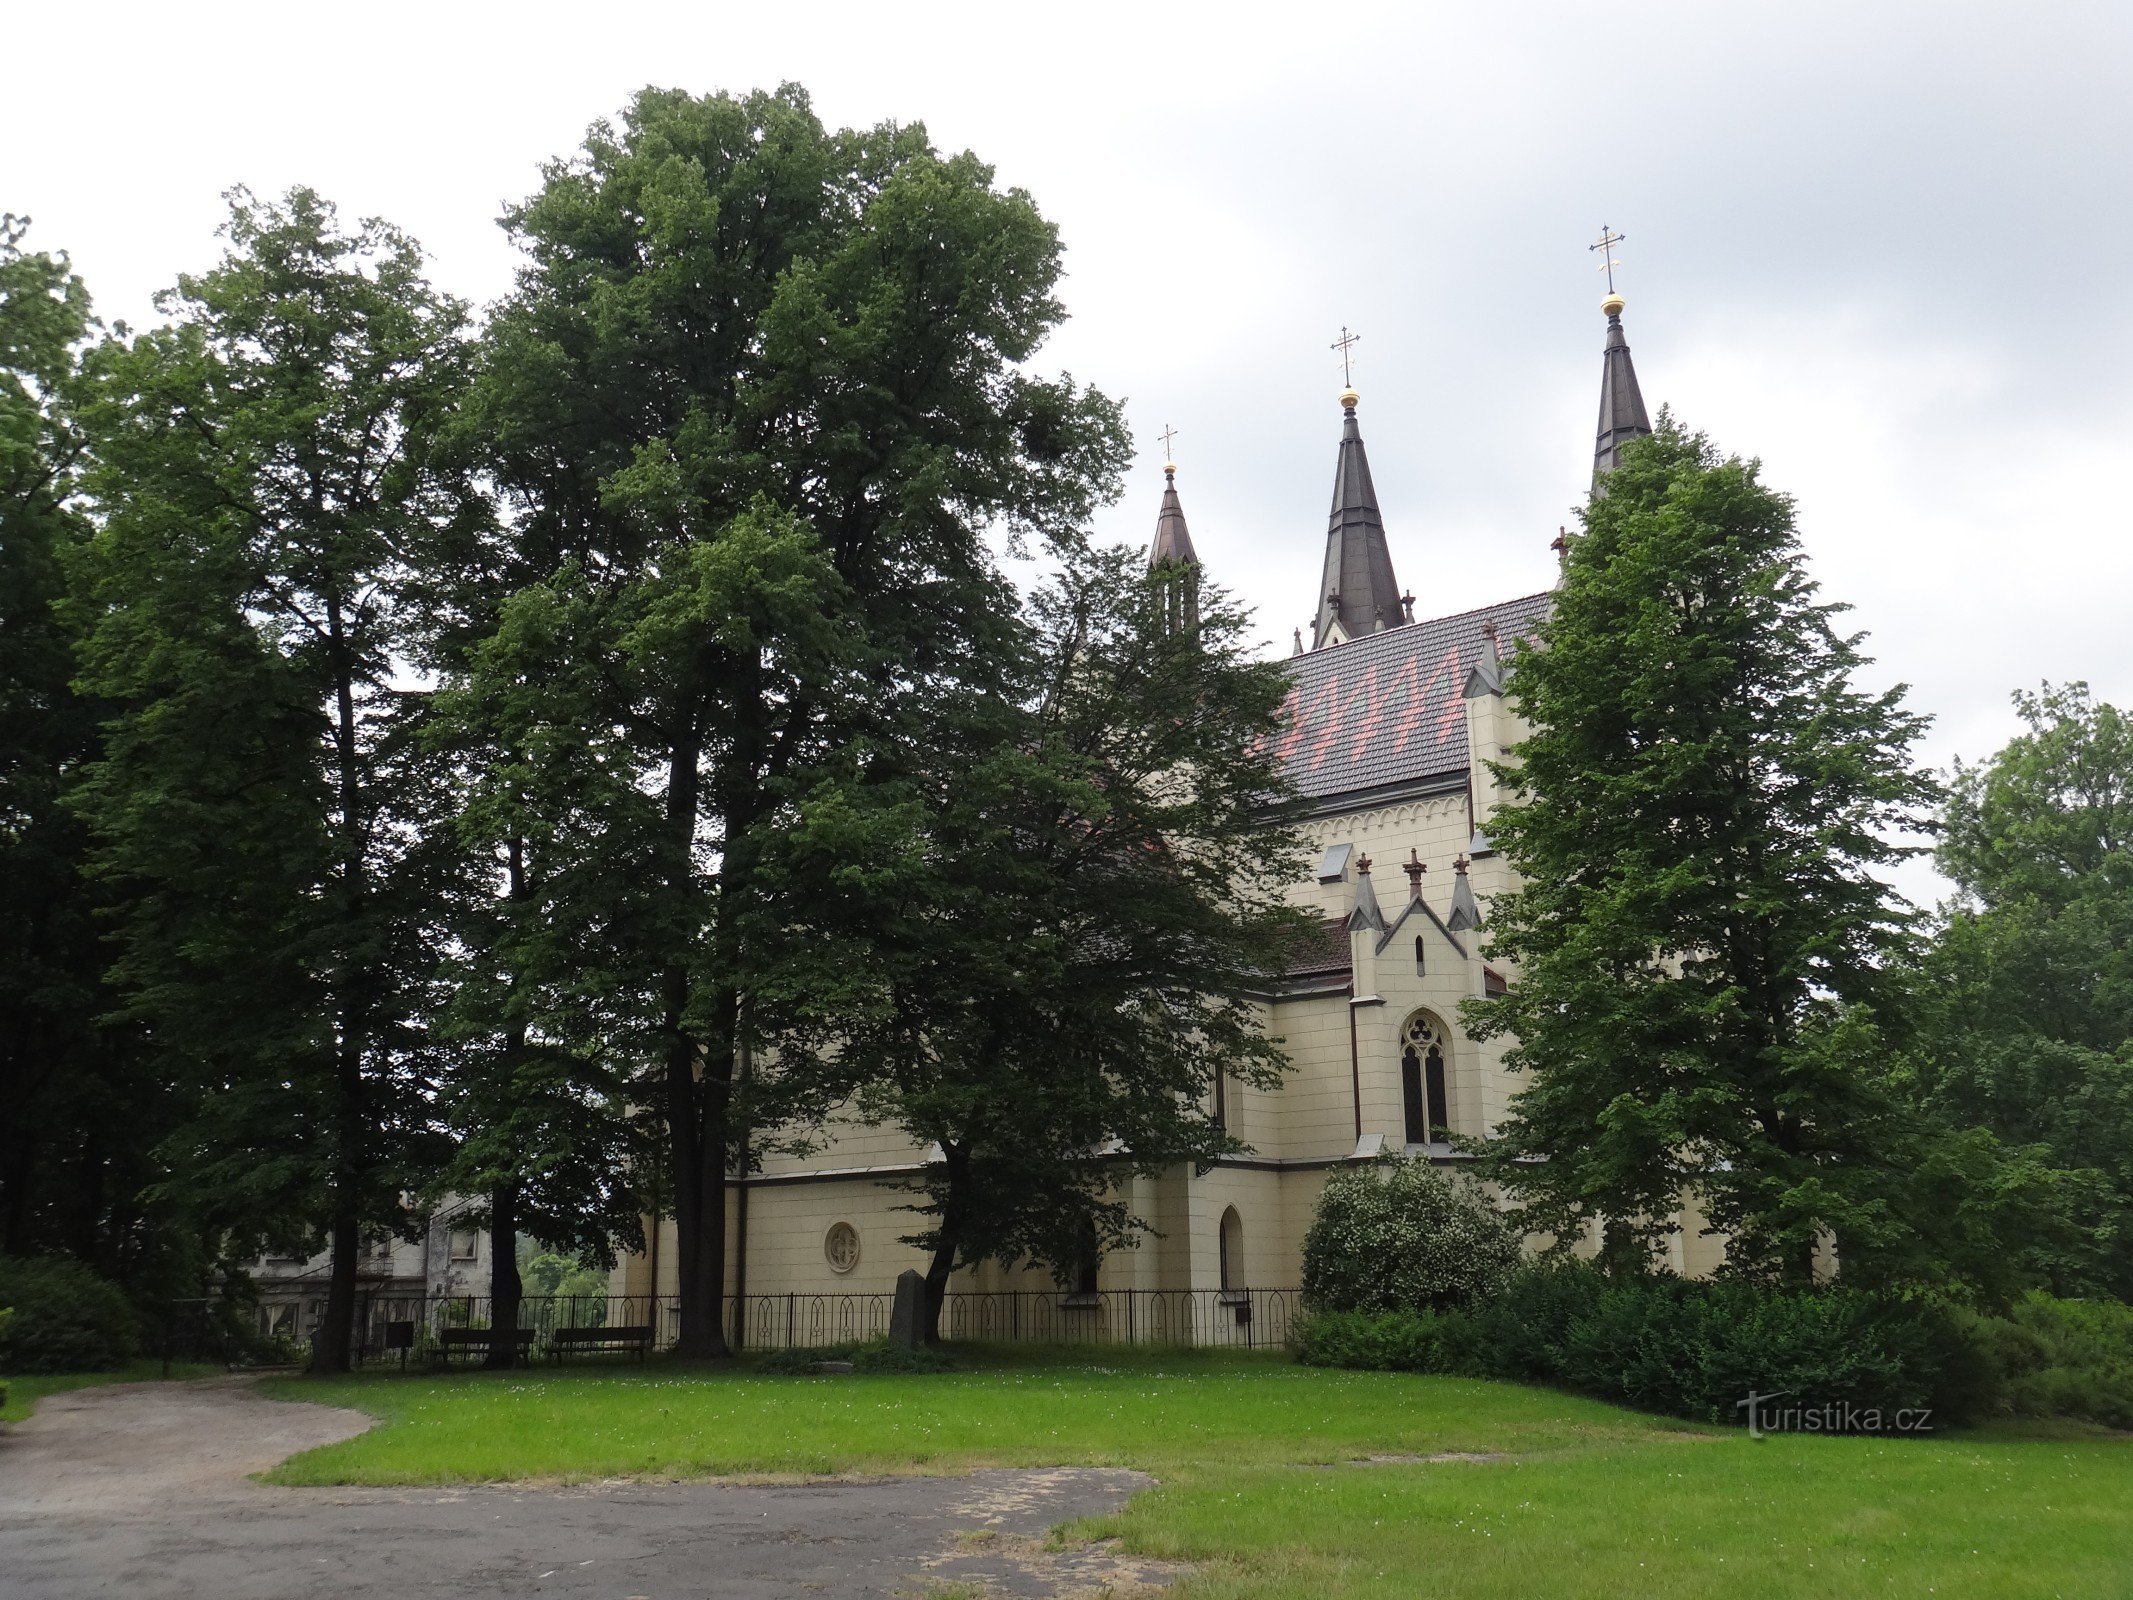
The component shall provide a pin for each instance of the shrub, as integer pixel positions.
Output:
(1375, 1341)
(1684, 1348)
(2063, 1358)
(1401, 1236)
(65, 1318)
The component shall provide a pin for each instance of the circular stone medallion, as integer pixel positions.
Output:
(840, 1247)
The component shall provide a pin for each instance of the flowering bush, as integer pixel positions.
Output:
(1401, 1236)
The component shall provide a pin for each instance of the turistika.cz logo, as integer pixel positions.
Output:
(1835, 1416)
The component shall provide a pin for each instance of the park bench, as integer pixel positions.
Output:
(479, 1341)
(637, 1341)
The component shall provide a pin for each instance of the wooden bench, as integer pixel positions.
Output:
(637, 1341)
(480, 1341)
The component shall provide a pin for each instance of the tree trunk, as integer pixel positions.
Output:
(331, 1345)
(506, 1289)
(948, 1236)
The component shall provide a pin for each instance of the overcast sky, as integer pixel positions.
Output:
(1885, 247)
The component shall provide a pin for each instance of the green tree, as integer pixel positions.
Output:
(1700, 934)
(761, 389)
(1053, 909)
(263, 803)
(2029, 985)
(84, 1111)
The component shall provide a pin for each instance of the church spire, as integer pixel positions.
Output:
(1172, 542)
(1171, 557)
(1622, 415)
(1358, 593)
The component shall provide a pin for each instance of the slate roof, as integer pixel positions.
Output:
(1323, 951)
(1386, 711)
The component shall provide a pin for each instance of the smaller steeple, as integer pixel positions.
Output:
(1172, 542)
(1366, 913)
(1466, 911)
(1622, 415)
(1171, 556)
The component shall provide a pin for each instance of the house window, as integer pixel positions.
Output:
(465, 1244)
(1423, 1088)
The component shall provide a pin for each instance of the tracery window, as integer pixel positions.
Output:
(1422, 1080)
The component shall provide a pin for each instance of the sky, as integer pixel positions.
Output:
(1882, 247)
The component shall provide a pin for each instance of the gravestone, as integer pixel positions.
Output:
(907, 1318)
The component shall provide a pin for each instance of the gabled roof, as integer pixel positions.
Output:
(1386, 711)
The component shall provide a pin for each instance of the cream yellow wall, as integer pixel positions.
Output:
(1297, 1133)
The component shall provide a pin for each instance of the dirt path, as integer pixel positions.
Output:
(141, 1490)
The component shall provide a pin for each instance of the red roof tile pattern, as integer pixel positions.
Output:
(1387, 710)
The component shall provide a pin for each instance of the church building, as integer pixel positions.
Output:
(1393, 720)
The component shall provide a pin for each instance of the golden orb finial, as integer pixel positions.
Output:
(1170, 469)
(1349, 399)
(1612, 305)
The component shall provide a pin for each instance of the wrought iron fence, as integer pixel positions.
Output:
(414, 1328)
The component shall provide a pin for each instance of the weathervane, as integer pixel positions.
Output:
(1608, 240)
(1170, 456)
(1346, 344)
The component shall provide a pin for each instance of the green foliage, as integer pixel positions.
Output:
(760, 392)
(2063, 1358)
(275, 831)
(548, 1273)
(1375, 1341)
(1701, 933)
(1683, 1348)
(1401, 1236)
(1050, 905)
(2027, 994)
(62, 1318)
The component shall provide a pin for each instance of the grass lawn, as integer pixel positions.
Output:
(24, 1393)
(1260, 1482)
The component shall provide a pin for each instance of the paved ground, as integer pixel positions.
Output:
(141, 1490)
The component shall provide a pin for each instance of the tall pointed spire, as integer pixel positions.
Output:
(1172, 542)
(1171, 556)
(1622, 416)
(1358, 593)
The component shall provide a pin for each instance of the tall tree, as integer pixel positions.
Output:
(74, 1154)
(263, 800)
(1052, 910)
(2029, 985)
(1700, 935)
(761, 388)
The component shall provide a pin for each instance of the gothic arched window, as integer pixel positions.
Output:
(1422, 1080)
(1229, 1250)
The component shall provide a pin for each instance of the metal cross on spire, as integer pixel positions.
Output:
(1346, 344)
(1170, 456)
(1608, 240)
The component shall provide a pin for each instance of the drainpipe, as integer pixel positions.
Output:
(740, 1224)
(1355, 1065)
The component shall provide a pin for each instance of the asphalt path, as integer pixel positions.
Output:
(144, 1490)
